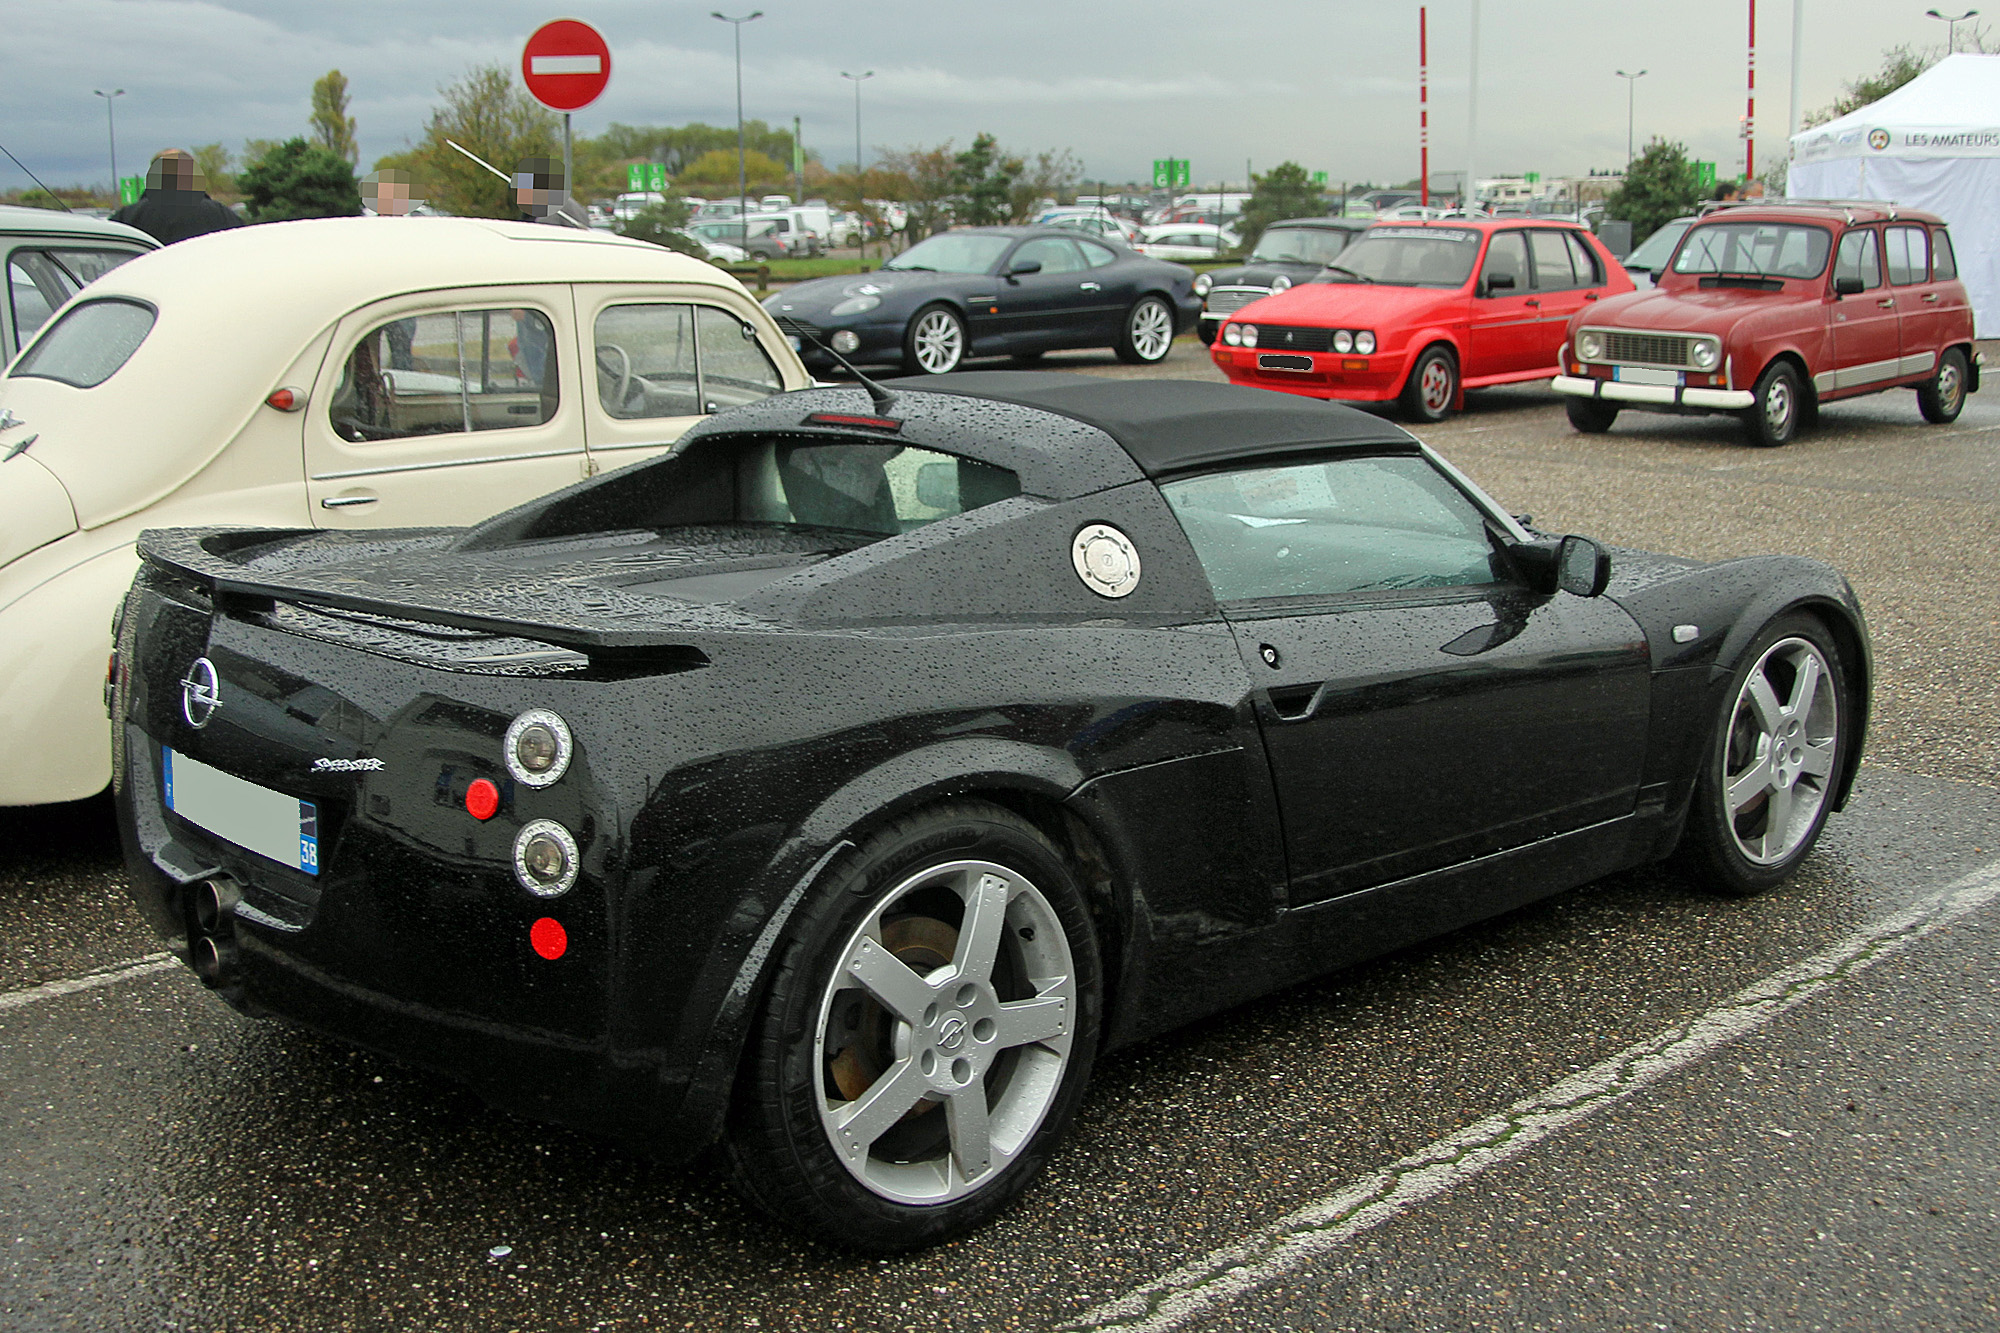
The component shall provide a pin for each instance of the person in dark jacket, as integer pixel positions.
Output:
(175, 204)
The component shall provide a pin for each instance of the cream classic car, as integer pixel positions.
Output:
(345, 373)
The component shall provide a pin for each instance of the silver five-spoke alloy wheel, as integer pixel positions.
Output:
(1781, 748)
(940, 1048)
(938, 339)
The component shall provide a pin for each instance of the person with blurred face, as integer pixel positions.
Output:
(175, 204)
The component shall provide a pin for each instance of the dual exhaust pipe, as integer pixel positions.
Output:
(212, 931)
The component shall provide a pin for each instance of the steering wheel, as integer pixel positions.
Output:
(624, 374)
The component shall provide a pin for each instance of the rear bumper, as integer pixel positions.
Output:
(1664, 396)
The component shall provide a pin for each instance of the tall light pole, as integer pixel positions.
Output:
(742, 186)
(860, 199)
(1951, 41)
(1469, 196)
(1631, 82)
(111, 130)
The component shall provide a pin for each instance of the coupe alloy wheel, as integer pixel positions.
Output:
(1779, 762)
(937, 341)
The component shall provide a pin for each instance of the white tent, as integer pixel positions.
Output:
(1933, 144)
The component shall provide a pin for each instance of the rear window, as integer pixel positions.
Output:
(88, 344)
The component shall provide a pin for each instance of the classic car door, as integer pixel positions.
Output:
(1506, 319)
(1419, 705)
(1566, 279)
(444, 408)
(1049, 308)
(1866, 332)
(1924, 314)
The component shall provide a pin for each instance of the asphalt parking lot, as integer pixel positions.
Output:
(1632, 1106)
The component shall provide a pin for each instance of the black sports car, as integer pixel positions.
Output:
(841, 783)
(991, 291)
(1288, 252)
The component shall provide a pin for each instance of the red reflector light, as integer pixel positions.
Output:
(843, 419)
(482, 799)
(548, 938)
(285, 400)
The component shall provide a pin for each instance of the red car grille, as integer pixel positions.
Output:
(1650, 349)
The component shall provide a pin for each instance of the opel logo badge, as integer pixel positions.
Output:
(952, 1035)
(201, 695)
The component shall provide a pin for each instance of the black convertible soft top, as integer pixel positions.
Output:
(1172, 426)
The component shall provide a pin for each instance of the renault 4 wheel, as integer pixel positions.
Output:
(1433, 385)
(1148, 334)
(935, 342)
(1773, 760)
(1592, 416)
(1778, 407)
(1942, 397)
(928, 1031)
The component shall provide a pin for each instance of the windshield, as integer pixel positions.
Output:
(1300, 245)
(1407, 257)
(1768, 249)
(954, 252)
(1653, 255)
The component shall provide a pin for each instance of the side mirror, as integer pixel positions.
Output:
(1575, 565)
(1848, 287)
(1021, 266)
(1499, 282)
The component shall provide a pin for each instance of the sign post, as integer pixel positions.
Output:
(646, 177)
(1171, 173)
(565, 66)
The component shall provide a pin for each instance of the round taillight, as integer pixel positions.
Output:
(482, 799)
(537, 748)
(545, 857)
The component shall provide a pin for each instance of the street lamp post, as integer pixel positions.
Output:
(111, 131)
(860, 199)
(1631, 82)
(742, 186)
(1951, 29)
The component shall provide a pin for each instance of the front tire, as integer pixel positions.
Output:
(928, 1032)
(1774, 757)
(1432, 388)
(935, 343)
(1592, 416)
(1942, 397)
(1148, 334)
(1779, 404)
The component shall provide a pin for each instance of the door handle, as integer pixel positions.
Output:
(1887, 303)
(1533, 302)
(1089, 287)
(1294, 703)
(1930, 296)
(347, 501)
(1590, 296)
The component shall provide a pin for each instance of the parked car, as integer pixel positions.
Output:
(344, 373)
(1419, 312)
(759, 238)
(1770, 309)
(991, 291)
(634, 202)
(1186, 240)
(719, 252)
(796, 231)
(984, 725)
(50, 256)
(1093, 222)
(1652, 254)
(1288, 252)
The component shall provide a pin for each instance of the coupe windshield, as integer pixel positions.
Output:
(1767, 249)
(1407, 257)
(960, 252)
(1299, 245)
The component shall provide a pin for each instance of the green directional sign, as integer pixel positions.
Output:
(646, 176)
(1704, 174)
(1319, 178)
(130, 188)
(1170, 172)
(1532, 177)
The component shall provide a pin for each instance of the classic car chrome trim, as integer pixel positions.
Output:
(1891, 369)
(449, 462)
(1607, 332)
(1722, 400)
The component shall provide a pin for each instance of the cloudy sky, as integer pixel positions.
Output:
(1329, 83)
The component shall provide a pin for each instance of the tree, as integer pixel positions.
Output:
(922, 181)
(1900, 64)
(714, 173)
(983, 179)
(300, 180)
(214, 162)
(332, 127)
(1052, 175)
(1285, 191)
(660, 224)
(486, 113)
(1659, 186)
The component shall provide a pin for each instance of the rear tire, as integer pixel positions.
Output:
(1432, 389)
(929, 1029)
(1942, 397)
(1592, 416)
(1772, 419)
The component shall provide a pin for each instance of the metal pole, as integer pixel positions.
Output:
(1631, 82)
(742, 184)
(111, 131)
(1470, 194)
(1423, 108)
(1951, 30)
(1750, 109)
(1798, 63)
(569, 164)
(860, 190)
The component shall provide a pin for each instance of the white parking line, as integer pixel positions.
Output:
(129, 970)
(1333, 1220)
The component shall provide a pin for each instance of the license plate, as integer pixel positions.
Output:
(267, 822)
(1672, 379)
(1280, 361)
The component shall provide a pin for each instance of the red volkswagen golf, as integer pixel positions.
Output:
(1419, 312)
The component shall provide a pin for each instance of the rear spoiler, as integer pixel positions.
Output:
(603, 623)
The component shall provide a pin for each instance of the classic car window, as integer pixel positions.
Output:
(734, 367)
(645, 361)
(1944, 264)
(1553, 269)
(1858, 259)
(88, 344)
(1055, 254)
(90, 265)
(962, 252)
(1348, 525)
(883, 489)
(1097, 256)
(1767, 249)
(1407, 257)
(1300, 245)
(37, 286)
(1506, 257)
(445, 372)
(1589, 273)
(1908, 255)
(1659, 247)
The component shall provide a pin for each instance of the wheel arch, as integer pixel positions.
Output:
(1797, 360)
(1423, 342)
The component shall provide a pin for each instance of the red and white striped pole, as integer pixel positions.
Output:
(1424, 102)
(1750, 109)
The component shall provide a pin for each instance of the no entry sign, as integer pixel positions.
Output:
(566, 64)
